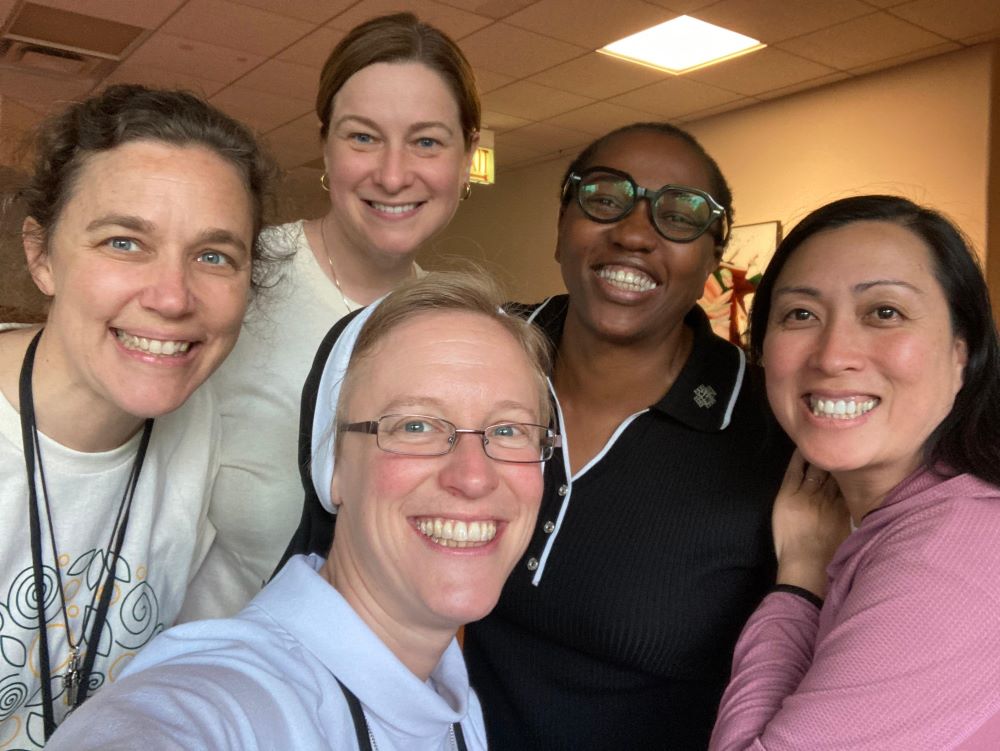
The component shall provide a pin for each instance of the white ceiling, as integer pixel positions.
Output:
(544, 88)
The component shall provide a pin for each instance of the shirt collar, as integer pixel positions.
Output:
(705, 391)
(305, 605)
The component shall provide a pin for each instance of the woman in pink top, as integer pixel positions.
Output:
(874, 326)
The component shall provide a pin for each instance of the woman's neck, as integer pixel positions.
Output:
(418, 648)
(866, 489)
(66, 410)
(362, 277)
(603, 371)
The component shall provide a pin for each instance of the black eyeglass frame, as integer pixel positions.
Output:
(550, 441)
(718, 211)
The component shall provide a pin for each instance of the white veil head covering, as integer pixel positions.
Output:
(324, 427)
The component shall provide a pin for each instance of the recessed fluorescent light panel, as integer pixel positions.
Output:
(681, 45)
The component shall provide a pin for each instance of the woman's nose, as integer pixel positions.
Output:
(168, 289)
(467, 471)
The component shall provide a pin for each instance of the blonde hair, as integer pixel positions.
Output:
(457, 291)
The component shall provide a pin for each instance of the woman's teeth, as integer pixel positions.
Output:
(390, 209)
(152, 346)
(841, 409)
(453, 533)
(628, 280)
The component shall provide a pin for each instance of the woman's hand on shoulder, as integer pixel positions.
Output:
(809, 522)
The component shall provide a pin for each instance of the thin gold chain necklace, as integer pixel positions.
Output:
(329, 260)
(333, 272)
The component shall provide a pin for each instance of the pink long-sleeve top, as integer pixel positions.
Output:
(905, 652)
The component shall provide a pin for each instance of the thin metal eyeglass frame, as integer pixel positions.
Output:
(651, 196)
(550, 441)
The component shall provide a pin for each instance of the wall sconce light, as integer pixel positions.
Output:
(483, 170)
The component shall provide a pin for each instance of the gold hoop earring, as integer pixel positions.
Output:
(466, 192)
(324, 181)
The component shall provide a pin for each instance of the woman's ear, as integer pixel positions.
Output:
(37, 256)
(335, 497)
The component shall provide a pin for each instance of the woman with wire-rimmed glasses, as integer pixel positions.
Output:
(653, 541)
(431, 434)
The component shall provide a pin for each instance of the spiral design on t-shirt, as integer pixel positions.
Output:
(13, 693)
(140, 614)
(23, 599)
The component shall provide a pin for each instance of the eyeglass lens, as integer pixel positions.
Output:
(678, 214)
(417, 435)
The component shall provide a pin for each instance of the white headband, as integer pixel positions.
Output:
(324, 426)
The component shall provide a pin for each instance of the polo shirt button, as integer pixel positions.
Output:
(532, 564)
(548, 528)
(563, 490)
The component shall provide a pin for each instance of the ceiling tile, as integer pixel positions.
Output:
(317, 11)
(261, 111)
(712, 111)
(495, 9)
(682, 6)
(6, 6)
(499, 122)
(129, 72)
(939, 49)
(774, 20)
(812, 84)
(42, 93)
(516, 52)
(589, 23)
(239, 26)
(760, 71)
(675, 97)
(455, 22)
(314, 49)
(295, 143)
(195, 58)
(532, 102)
(544, 137)
(954, 19)
(146, 15)
(980, 38)
(599, 76)
(600, 118)
(862, 41)
(282, 78)
(487, 80)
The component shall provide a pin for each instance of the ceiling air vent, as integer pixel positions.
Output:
(38, 57)
(65, 43)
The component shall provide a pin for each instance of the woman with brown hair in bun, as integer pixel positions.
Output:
(399, 121)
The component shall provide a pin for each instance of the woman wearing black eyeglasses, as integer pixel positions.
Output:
(653, 542)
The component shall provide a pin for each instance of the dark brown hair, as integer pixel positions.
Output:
(398, 38)
(129, 112)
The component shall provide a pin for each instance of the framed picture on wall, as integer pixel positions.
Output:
(752, 245)
(729, 291)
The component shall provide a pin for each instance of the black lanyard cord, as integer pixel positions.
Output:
(363, 732)
(32, 456)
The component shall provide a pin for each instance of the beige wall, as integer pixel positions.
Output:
(921, 130)
(993, 191)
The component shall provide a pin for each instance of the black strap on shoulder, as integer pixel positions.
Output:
(315, 531)
(459, 737)
(361, 724)
(358, 717)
